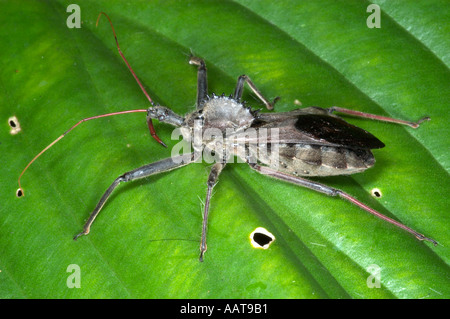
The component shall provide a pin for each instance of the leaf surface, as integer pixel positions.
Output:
(144, 244)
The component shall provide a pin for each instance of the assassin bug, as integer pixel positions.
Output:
(310, 142)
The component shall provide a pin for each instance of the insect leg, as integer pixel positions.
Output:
(212, 180)
(377, 117)
(141, 172)
(334, 192)
(202, 81)
(240, 89)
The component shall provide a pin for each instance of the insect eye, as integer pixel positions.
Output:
(161, 117)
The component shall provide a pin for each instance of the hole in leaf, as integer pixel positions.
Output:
(14, 124)
(376, 193)
(261, 238)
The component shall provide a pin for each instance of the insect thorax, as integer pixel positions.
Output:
(217, 118)
(223, 113)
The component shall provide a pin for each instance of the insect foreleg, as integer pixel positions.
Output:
(212, 180)
(377, 117)
(202, 81)
(333, 192)
(240, 89)
(141, 172)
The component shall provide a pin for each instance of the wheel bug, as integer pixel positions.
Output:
(311, 142)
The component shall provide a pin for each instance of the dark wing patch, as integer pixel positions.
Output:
(336, 131)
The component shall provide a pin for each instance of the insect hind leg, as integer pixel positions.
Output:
(333, 192)
(377, 117)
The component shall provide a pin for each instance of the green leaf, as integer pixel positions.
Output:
(144, 244)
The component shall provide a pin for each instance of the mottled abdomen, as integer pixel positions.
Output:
(319, 160)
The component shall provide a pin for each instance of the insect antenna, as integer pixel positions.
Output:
(65, 133)
(149, 121)
(150, 124)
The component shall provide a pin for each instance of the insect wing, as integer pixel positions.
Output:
(313, 126)
(335, 130)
